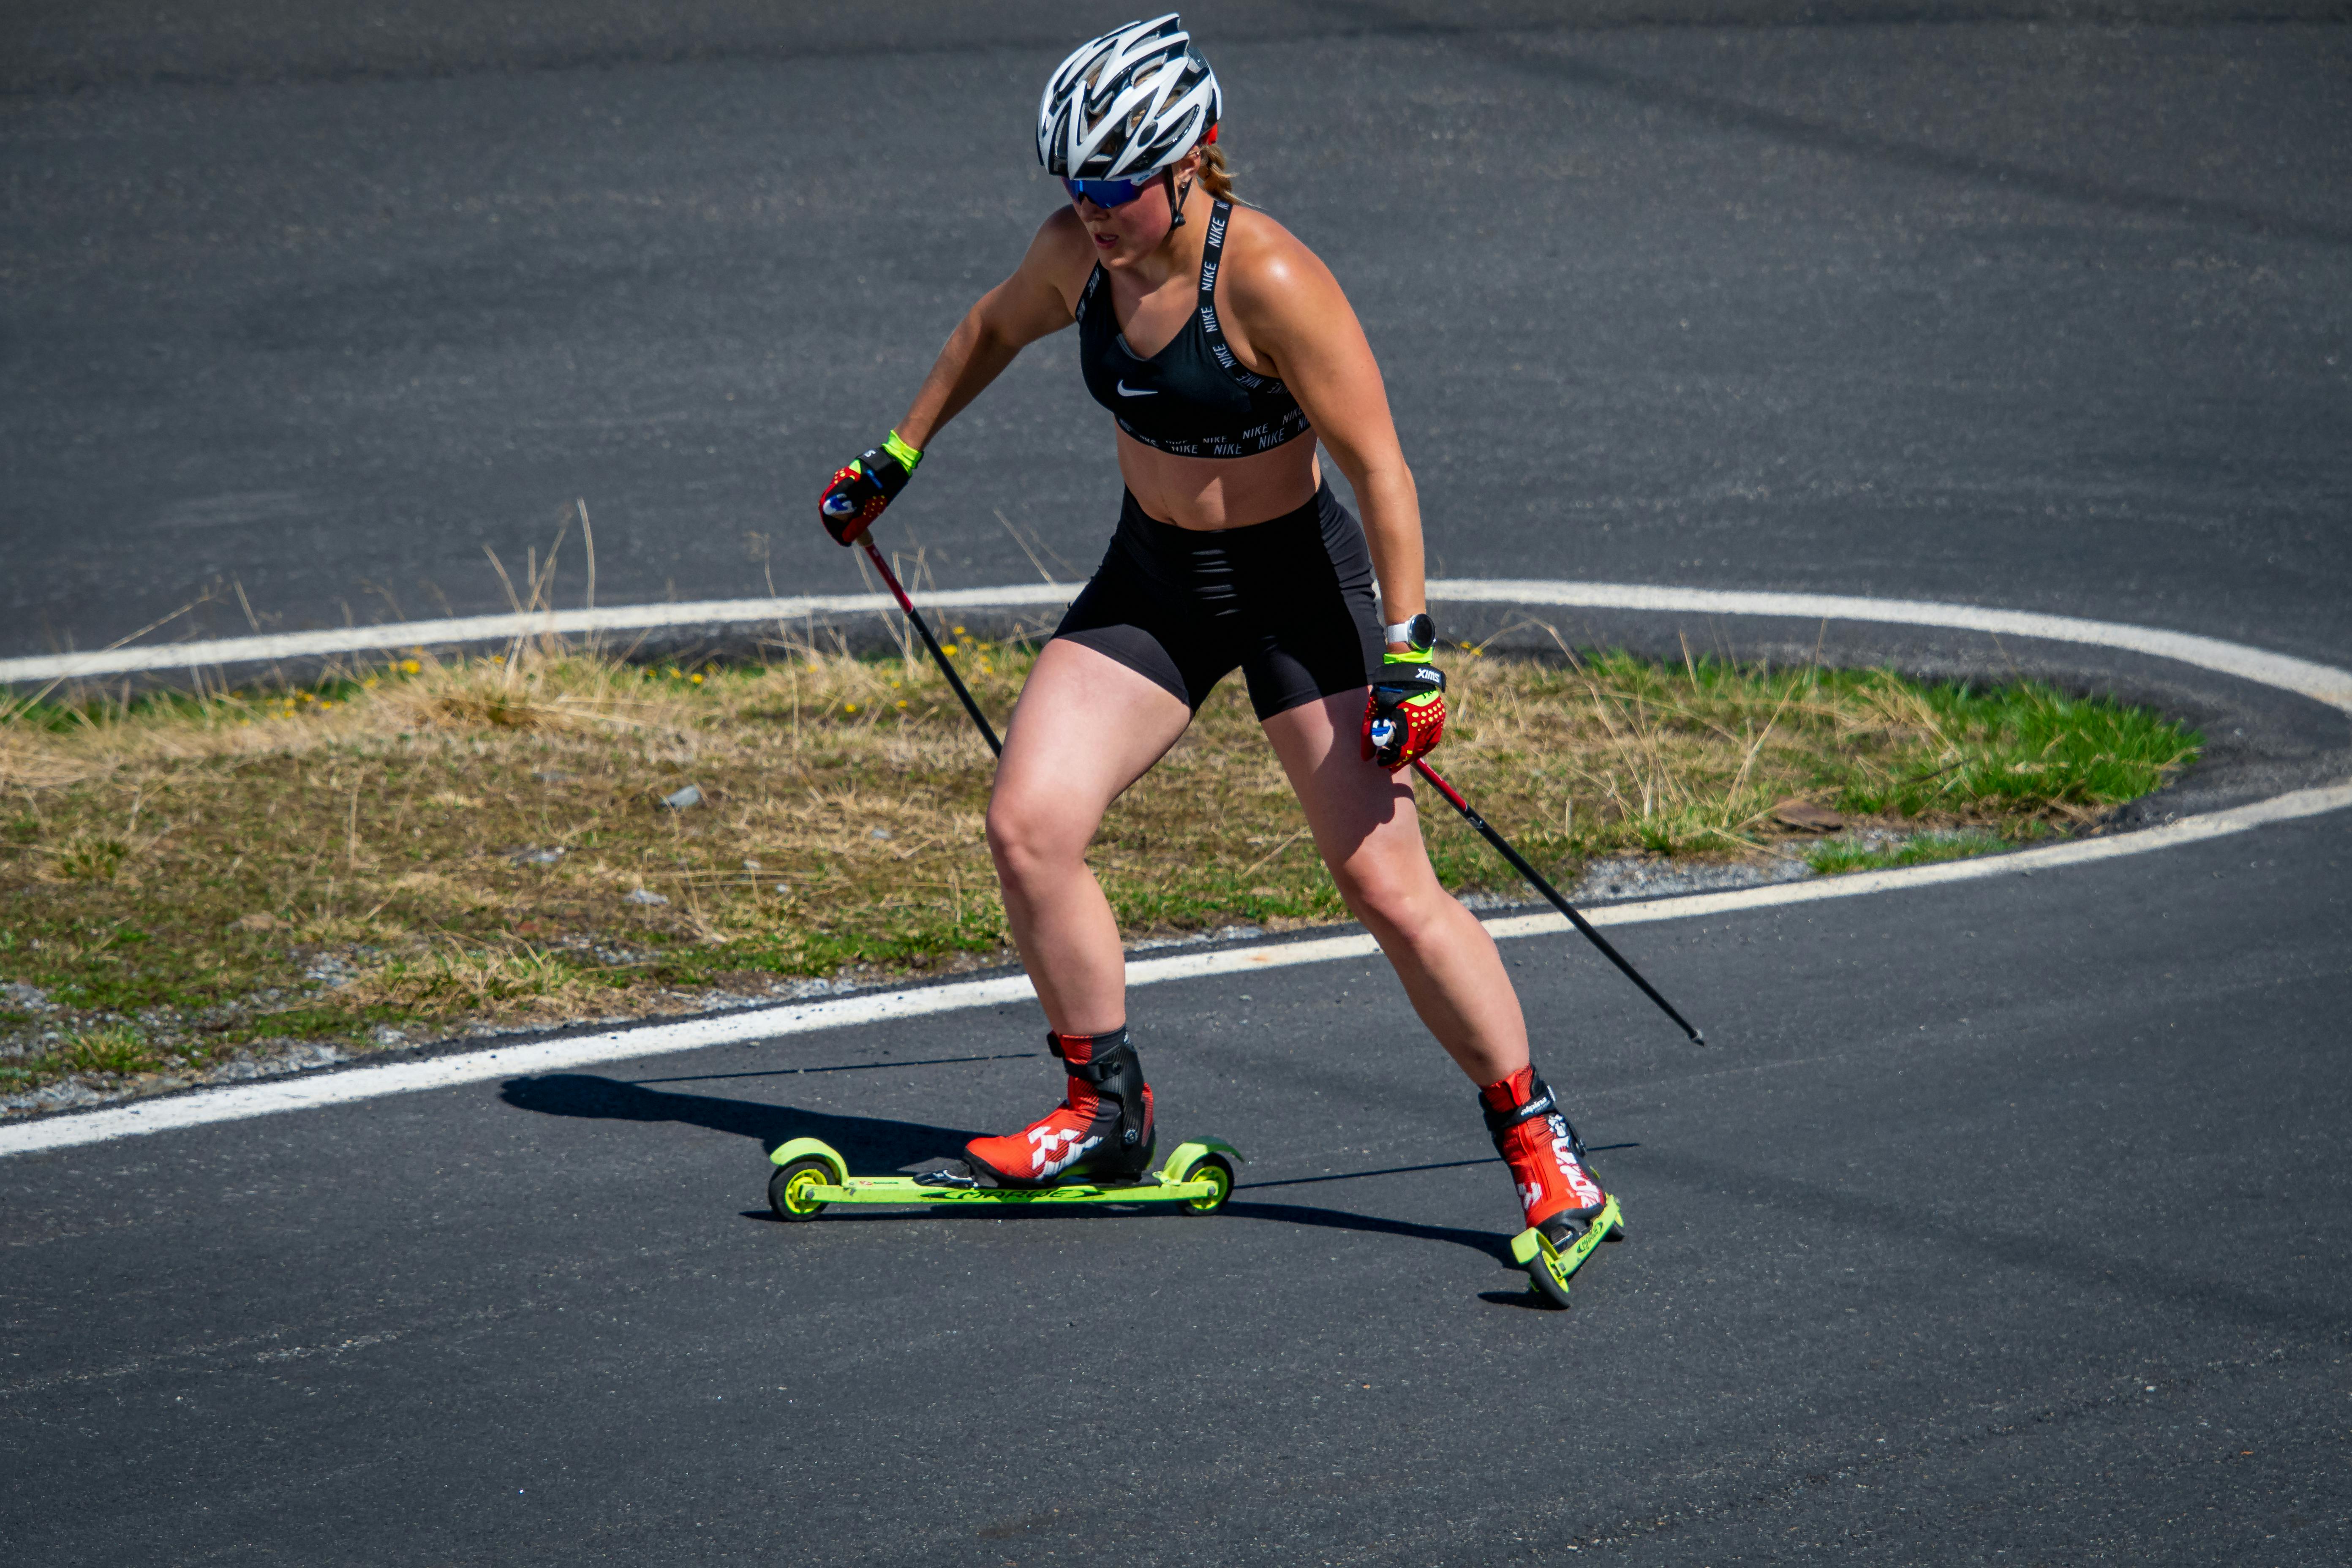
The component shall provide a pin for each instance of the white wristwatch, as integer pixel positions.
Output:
(1419, 633)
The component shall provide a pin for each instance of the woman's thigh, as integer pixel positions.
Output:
(1087, 727)
(1362, 818)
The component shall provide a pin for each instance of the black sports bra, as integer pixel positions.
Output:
(1192, 398)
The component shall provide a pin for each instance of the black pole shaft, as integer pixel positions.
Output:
(930, 642)
(1519, 863)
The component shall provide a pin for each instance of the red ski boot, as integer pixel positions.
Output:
(1102, 1132)
(1561, 1197)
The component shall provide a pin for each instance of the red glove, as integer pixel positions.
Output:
(1404, 712)
(861, 488)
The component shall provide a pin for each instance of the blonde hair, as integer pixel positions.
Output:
(1216, 177)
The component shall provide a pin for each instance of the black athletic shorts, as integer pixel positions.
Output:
(1290, 603)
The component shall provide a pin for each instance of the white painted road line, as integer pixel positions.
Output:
(204, 654)
(769, 1022)
(2321, 682)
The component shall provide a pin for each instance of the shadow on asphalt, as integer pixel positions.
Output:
(1492, 1243)
(842, 1066)
(872, 1143)
(867, 1142)
(1526, 1297)
(1487, 1243)
(1401, 1170)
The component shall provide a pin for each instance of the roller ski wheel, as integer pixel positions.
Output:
(1552, 1252)
(1213, 1170)
(791, 1189)
(811, 1176)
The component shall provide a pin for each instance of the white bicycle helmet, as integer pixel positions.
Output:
(1127, 104)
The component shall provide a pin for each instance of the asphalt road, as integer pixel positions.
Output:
(2005, 1223)
(2039, 315)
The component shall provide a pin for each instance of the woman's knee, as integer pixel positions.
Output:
(1395, 893)
(1028, 831)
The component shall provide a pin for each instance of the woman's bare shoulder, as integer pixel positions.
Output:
(1062, 253)
(1270, 272)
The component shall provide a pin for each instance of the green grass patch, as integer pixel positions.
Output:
(1927, 848)
(107, 1050)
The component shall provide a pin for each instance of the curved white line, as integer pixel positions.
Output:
(214, 651)
(2320, 682)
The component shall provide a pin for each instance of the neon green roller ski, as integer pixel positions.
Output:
(1567, 1210)
(1549, 1265)
(810, 1175)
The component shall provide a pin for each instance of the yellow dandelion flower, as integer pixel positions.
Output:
(902, 702)
(409, 666)
(849, 708)
(959, 631)
(948, 650)
(697, 680)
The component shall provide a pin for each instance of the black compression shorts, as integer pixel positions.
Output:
(1290, 603)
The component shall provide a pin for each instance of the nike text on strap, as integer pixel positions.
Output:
(1195, 398)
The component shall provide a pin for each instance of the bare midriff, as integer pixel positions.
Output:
(1213, 493)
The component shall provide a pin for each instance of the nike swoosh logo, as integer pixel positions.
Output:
(1126, 391)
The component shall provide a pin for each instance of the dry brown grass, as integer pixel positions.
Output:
(467, 836)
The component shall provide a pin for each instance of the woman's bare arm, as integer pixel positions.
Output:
(1298, 320)
(1036, 302)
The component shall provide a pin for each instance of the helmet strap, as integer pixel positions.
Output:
(1176, 200)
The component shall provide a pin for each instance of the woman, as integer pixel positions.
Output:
(1225, 350)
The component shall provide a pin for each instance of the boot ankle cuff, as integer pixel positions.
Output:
(1527, 1097)
(1090, 1057)
(1510, 1093)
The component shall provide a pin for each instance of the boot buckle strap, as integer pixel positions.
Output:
(1106, 1065)
(1540, 1103)
(1109, 1053)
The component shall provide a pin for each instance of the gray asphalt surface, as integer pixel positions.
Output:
(2048, 316)
(2003, 1225)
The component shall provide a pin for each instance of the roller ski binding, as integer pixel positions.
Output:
(1095, 1147)
(1568, 1212)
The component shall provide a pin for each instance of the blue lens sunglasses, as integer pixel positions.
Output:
(1107, 192)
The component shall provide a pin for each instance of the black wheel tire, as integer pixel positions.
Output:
(785, 1186)
(1215, 1168)
(1545, 1283)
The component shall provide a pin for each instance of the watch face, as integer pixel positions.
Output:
(1421, 632)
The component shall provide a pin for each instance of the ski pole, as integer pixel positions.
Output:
(937, 658)
(1519, 863)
